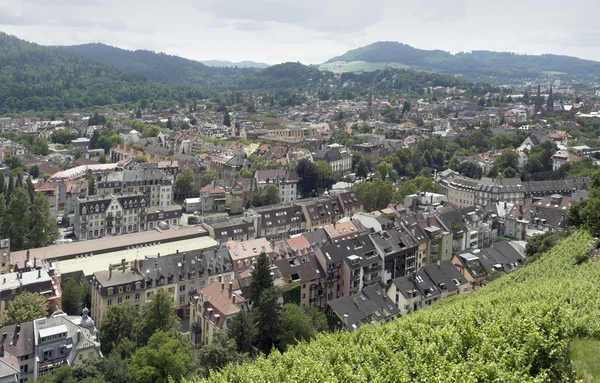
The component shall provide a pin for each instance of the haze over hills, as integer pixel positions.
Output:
(477, 65)
(229, 64)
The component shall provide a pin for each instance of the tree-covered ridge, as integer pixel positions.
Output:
(34, 78)
(516, 329)
(473, 65)
(159, 67)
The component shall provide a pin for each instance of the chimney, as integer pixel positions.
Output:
(438, 263)
(158, 255)
(78, 336)
(2, 351)
(140, 264)
(109, 272)
(39, 273)
(135, 265)
(230, 289)
(27, 256)
(177, 251)
(222, 286)
(219, 278)
(233, 299)
(123, 264)
(18, 328)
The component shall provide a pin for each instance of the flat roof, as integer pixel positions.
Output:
(108, 244)
(55, 330)
(91, 264)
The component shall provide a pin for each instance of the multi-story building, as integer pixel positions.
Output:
(349, 202)
(338, 158)
(539, 214)
(44, 344)
(180, 274)
(350, 265)
(232, 229)
(400, 252)
(245, 254)
(306, 271)
(154, 184)
(320, 211)
(211, 308)
(213, 198)
(116, 214)
(286, 182)
(34, 279)
(276, 222)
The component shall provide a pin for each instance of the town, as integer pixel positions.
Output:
(355, 211)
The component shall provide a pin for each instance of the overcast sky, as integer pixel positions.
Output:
(309, 31)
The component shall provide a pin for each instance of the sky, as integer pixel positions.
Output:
(309, 31)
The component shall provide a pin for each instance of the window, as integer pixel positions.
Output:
(128, 288)
(120, 289)
(119, 300)
(109, 302)
(137, 297)
(127, 297)
(181, 299)
(182, 288)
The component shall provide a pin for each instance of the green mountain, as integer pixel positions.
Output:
(37, 78)
(477, 65)
(241, 64)
(159, 67)
(522, 327)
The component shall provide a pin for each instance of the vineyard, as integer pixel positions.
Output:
(517, 329)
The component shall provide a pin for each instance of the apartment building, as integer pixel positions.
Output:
(181, 274)
(286, 182)
(115, 214)
(211, 308)
(245, 254)
(154, 184)
(307, 272)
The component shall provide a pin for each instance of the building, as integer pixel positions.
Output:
(155, 185)
(341, 231)
(562, 157)
(348, 201)
(276, 222)
(213, 198)
(116, 214)
(369, 306)
(320, 211)
(399, 250)
(338, 158)
(541, 214)
(306, 272)
(193, 205)
(286, 182)
(181, 274)
(232, 229)
(48, 343)
(34, 279)
(351, 265)
(245, 254)
(211, 308)
(477, 266)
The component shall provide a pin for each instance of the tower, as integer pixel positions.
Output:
(550, 103)
(538, 101)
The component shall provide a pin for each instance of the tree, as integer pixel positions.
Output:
(218, 354)
(165, 357)
(208, 177)
(63, 137)
(34, 171)
(40, 147)
(159, 314)
(508, 159)
(266, 196)
(184, 184)
(138, 114)
(169, 123)
(95, 140)
(266, 312)
(469, 169)
(308, 175)
(386, 172)
(42, 226)
(375, 195)
(2, 185)
(92, 185)
(102, 159)
(362, 170)
(118, 323)
(227, 120)
(326, 178)
(296, 326)
(19, 181)
(242, 330)
(17, 218)
(73, 296)
(261, 277)
(26, 307)
(140, 158)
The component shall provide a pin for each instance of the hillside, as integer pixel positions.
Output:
(476, 65)
(229, 64)
(37, 78)
(519, 328)
(155, 66)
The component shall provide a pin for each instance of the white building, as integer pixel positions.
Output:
(286, 182)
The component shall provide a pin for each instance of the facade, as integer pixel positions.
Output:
(538, 215)
(276, 222)
(116, 214)
(155, 185)
(338, 158)
(211, 308)
(350, 265)
(181, 274)
(245, 254)
(306, 271)
(400, 251)
(286, 182)
(233, 229)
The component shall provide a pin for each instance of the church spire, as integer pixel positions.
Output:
(538, 101)
(550, 102)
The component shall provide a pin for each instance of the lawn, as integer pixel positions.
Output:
(585, 354)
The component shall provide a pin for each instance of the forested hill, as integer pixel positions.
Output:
(159, 67)
(519, 328)
(37, 78)
(476, 65)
